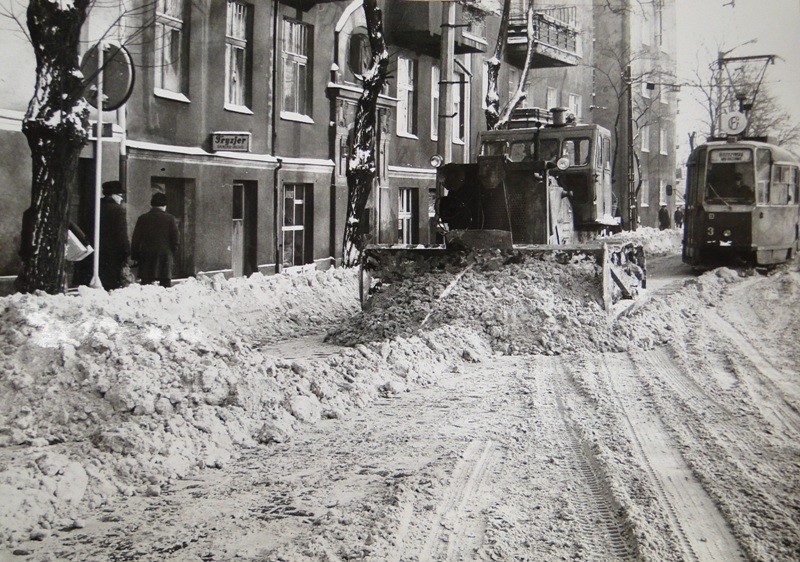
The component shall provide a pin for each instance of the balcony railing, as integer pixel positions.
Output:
(418, 26)
(555, 34)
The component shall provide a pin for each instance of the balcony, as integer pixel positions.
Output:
(304, 5)
(556, 38)
(418, 26)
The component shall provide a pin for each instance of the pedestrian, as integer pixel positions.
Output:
(154, 243)
(115, 246)
(678, 217)
(663, 218)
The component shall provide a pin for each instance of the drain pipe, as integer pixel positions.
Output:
(274, 140)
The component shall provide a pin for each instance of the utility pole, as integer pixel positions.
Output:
(632, 207)
(444, 146)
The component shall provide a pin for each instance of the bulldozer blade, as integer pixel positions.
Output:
(621, 267)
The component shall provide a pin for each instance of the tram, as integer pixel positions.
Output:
(741, 204)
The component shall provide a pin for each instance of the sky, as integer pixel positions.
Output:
(707, 26)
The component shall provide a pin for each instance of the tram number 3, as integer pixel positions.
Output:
(710, 231)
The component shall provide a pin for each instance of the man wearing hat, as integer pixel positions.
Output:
(154, 242)
(114, 244)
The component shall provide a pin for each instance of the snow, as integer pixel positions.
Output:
(109, 401)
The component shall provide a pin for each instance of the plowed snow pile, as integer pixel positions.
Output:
(102, 394)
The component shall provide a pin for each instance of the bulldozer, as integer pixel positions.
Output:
(536, 191)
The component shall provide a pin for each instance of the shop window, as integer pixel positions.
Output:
(408, 216)
(297, 226)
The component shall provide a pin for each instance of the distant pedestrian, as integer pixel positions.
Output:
(114, 244)
(678, 217)
(154, 243)
(663, 218)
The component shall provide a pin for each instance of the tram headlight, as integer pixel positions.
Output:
(726, 233)
(436, 161)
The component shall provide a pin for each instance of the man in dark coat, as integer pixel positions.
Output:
(114, 244)
(154, 243)
(663, 217)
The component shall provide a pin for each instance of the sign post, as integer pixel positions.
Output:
(95, 283)
(112, 62)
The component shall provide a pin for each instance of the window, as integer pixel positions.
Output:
(407, 216)
(170, 52)
(663, 140)
(435, 102)
(296, 71)
(297, 224)
(237, 75)
(576, 105)
(407, 96)
(359, 53)
(551, 100)
(646, 89)
(577, 151)
(460, 108)
(662, 192)
(645, 133)
(784, 185)
(644, 193)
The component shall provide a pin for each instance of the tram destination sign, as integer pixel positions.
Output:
(724, 156)
(230, 141)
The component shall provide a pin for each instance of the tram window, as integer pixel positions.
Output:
(783, 185)
(577, 150)
(763, 158)
(730, 176)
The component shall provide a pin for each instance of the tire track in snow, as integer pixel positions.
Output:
(603, 524)
(455, 533)
(781, 413)
(701, 530)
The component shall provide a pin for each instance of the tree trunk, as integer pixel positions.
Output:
(55, 126)
(520, 93)
(361, 167)
(492, 111)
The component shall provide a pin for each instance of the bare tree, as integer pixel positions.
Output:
(742, 88)
(56, 126)
(495, 117)
(361, 167)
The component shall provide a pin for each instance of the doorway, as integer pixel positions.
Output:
(244, 228)
(180, 204)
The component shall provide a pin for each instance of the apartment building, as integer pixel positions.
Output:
(242, 113)
(638, 39)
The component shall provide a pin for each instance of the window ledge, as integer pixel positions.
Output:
(434, 137)
(170, 95)
(459, 142)
(298, 117)
(407, 135)
(238, 109)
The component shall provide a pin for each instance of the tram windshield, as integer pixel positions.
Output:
(731, 176)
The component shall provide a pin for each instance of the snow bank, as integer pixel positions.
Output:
(107, 393)
(655, 242)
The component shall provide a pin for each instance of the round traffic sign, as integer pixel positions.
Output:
(733, 122)
(118, 76)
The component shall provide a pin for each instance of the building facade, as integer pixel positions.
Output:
(242, 114)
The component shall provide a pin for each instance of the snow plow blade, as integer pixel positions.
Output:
(619, 267)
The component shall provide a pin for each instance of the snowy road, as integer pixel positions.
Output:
(681, 445)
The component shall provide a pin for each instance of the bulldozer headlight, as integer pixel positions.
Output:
(436, 161)
(562, 163)
(726, 233)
